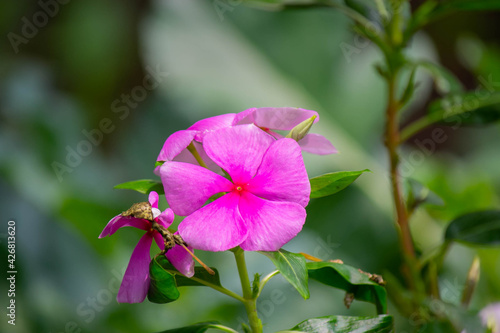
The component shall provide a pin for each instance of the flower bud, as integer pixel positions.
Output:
(300, 131)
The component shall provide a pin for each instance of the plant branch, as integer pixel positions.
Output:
(392, 141)
(249, 301)
(219, 289)
(194, 152)
(265, 280)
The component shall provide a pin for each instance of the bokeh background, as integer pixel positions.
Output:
(83, 70)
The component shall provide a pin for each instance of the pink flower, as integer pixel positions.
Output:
(263, 205)
(135, 283)
(285, 119)
(175, 147)
(490, 316)
(268, 119)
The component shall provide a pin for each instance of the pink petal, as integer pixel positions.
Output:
(244, 117)
(175, 144)
(166, 217)
(210, 124)
(135, 283)
(159, 240)
(181, 259)
(188, 187)
(119, 221)
(271, 224)
(317, 144)
(177, 256)
(215, 227)
(153, 199)
(238, 150)
(282, 175)
(279, 118)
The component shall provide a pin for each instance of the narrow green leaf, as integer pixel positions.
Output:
(446, 82)
(255, 284)
(332, 183)
(142, 186)
(293, 268)
(470, 108)
(197, 328)
(162, 286)
(410, 88)
(199, 273)
(346, 324)
(478, 228)
(351, 280)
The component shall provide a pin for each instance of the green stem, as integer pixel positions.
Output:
(418, 125)
(381, 9)
(192, 150)
(391, 142)
(265, 280)
(219, 289)
(249, 301)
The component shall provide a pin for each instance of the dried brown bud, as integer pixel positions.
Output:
(140, 210)
(348, 299)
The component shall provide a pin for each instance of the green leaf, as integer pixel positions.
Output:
(351, 280)
(162, 286)
(432, 10)
(165, 279)
(468, 5)
(410, 88)
(293, 268)
(199, 273)
(479, 228)
(198, 328)
(346, 324)
(255, 284)
(446, 82)
(142, 186)
(470, 108)
(332, 183)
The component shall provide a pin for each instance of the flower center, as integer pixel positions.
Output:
(239, 188)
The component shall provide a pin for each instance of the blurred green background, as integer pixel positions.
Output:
(70, 70)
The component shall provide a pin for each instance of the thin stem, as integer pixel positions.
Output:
(417, 126)
(471, 282)
(249, 301)
(219, 289)
(381, 9)
(194, 152)
(392, 141)
(265, 280)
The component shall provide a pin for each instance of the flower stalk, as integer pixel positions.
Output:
(250, 301)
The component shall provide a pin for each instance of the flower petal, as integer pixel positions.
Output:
(244, 117)
(178, 256)
(175, 144)
(276, 118)
(271, 224)
(211, 124)
(119, 221)
(135, 283)
(181, 259)
(282, 175)
(238, 150)
(153, 199)
(188, 187)
(166, 217)
(216, 227)
(317, 144)
(159, 240)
